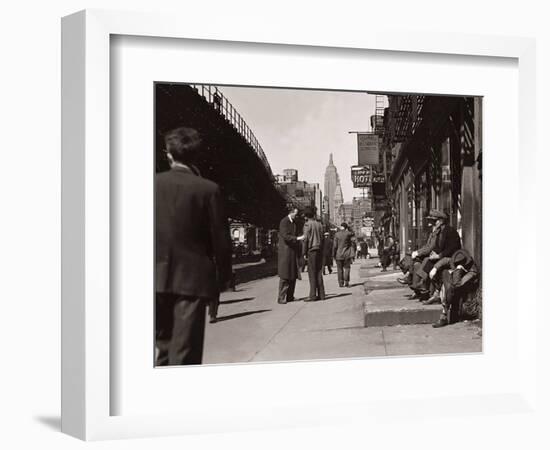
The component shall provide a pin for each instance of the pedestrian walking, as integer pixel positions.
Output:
(343, 254)
(313, 253)
(193, 256)
(327, 253)
(288, 267)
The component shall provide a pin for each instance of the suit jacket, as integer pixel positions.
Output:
(430, 244)
(327, 251)
(448, 242)
(342, 248)
(193, 253)
(288, 250)
(313, 236)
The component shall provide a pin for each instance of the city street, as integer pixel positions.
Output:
(253, 327)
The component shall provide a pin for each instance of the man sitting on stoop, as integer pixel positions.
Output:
(457, 274)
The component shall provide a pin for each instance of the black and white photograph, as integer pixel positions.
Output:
(303, 224)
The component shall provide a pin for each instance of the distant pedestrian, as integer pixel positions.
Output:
(288, 257)
(313, 253)
(327, 253)
(387, 252)
(343, 253)
(193, 256)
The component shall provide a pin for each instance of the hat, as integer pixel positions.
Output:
(461, 258)
(327, 233)
(436, 214)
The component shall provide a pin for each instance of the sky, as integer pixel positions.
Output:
(298, 129)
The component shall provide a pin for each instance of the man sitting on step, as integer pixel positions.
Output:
(459, 273)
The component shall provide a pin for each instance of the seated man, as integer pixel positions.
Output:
(448, 242)
(410, 264)
(442, 242)
(458, 274)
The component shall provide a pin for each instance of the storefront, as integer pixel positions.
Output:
(437, 167)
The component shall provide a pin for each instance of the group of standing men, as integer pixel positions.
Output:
(317, 249)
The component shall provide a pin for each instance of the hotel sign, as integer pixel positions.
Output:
(360, 176)
(367, 149)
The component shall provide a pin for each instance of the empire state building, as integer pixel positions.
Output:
(333, 190)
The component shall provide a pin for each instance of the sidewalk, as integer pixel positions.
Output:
(253, 327)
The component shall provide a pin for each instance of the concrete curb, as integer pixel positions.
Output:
(385, 306)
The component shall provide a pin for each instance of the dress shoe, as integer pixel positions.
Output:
(440, 323)
(346, 284)
(403, 281)
(433, 300)
(281, 302)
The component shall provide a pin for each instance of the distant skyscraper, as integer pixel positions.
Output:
(332, 180)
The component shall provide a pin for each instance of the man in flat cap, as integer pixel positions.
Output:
(446, 242)
(192, 250)
(442, 242)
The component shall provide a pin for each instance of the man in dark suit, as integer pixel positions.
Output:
(343, 254)
(192, 251)
(288, 253)
(446, 243)
(313, 252)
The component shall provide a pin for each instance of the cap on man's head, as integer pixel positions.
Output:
(344, 225)
(327, 233)
(436, 214)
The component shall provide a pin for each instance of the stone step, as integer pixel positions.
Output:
(387, 304)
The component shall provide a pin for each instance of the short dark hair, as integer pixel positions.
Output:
(344, 225)
(185, 151)
(308, 212)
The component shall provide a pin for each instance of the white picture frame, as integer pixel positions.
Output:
(86, 216)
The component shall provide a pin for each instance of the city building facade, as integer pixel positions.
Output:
(434, 147)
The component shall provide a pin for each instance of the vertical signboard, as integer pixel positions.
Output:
(367, 149)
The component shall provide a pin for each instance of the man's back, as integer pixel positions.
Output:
(190, 234)
(313, 235)
(342, 245)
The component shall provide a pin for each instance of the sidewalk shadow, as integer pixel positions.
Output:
(236, 300)
(242, 314)
(331, 296)
(356, 284)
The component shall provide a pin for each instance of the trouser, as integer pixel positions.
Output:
(385, 260)
(453, 290)
(179, 329)
(421, 270)
(314, 270)
(286, 290)
(343, 266)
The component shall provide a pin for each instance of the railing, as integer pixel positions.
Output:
(215, 97)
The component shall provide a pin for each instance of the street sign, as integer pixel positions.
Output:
(367, 149)
(360, 176)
